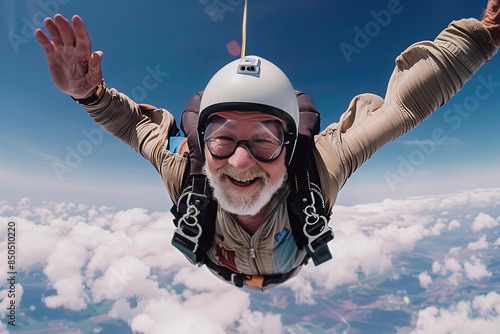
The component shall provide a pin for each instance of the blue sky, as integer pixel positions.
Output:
(43, 129)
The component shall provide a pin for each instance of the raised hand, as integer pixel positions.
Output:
(75, 70)
(491, 20)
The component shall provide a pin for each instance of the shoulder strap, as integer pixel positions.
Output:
(194, 219)
(189, 125)
(306, 206)
(195, 212)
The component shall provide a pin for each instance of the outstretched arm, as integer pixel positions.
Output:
(426, 76)
(491, 19)
(74, 69)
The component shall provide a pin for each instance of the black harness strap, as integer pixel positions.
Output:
(195, 216)
(196, 209)
(240, 280)
(306, 206)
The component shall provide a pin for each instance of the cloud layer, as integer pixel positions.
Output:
(93, 254)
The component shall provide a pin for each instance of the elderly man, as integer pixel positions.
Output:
(247, 129)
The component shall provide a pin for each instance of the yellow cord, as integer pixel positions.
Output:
(244, 37)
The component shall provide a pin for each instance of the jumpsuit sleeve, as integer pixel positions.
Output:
(426, 75)
(147, 132)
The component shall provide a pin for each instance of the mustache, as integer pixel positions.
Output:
(250, 173)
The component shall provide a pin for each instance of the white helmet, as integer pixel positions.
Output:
(252, 84)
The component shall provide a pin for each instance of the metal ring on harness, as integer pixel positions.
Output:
(310, 212)
(190, 221)
(191, 214)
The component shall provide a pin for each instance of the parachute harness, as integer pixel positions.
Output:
(188, 226)
(315, 226)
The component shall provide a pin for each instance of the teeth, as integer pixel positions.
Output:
(242, 180)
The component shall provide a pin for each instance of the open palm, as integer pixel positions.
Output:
(74, 69)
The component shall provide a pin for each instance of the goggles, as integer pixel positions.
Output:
(265, 144)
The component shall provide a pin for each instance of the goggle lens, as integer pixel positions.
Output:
(266, 146)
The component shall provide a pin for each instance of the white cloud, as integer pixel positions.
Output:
(123, 278)
(483, 221)
(198, 279)
(437, 268)
(63, 270)
(479, 244)
(3, 328)
(168, 316)
(460, 317)
(454, 224)
(199, 313)
(304, 292)
(461, 263)
(255, 322)
(5, 207)
(70, 294)
(438, 228)
(476, 269)
(94, 253)
(131, 220)
(425, 280)
(487, 304)
(370, 236)
(452, 264)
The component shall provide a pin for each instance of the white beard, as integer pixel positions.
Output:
(240, 203)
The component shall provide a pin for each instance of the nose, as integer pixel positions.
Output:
(242, 158)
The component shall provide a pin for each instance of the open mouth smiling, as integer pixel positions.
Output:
(242, 182)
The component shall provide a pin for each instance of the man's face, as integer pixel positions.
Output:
(242, 184)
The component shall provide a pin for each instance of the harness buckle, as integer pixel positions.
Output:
(241, 280)
(188, 231)
(255, 281)
(316, 223)
(237, 280)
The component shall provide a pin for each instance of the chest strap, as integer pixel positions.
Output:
(240, 280)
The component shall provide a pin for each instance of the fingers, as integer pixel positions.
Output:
(66, 31)
(82, 36)
(491, 20)
(44, 41)
(60, 31)
(54, 32)
(94, 69)
(63, 34)
(95, 59)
